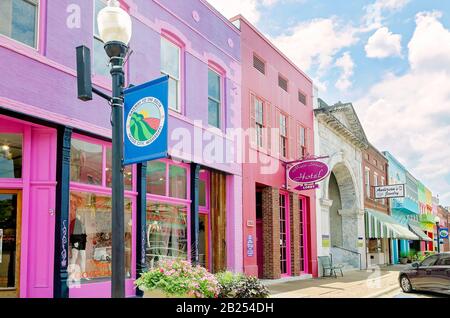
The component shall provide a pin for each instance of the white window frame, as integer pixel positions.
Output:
(259, 125)
(284, 138)
(367, 182)
(178, 80)
(215, 100)
(302, 141)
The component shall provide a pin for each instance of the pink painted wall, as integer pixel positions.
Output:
(266, 87)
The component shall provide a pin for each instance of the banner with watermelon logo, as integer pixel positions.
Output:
(146, 121)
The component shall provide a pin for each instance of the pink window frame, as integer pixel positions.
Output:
(306, 233)
(288, 234)
(102, 288)
(41, 33)
(11, 127)
(219, 70)
(105, 81)
(206, 210)
(177, 201)
(176, 40)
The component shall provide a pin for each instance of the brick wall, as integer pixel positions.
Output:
(271, 232)
(295, 233)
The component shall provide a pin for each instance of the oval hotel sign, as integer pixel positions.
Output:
(309, 172)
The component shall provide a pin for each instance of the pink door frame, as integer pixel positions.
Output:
(288, 234)
(38, 215)
(305, 211)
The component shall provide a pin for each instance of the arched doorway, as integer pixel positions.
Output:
(343, 216)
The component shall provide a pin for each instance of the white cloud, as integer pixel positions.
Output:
(230, 8)
(430, 45)
(316, 42)
(374, 12)
(409, 115)
(384, 43)
(346, 64)
(250, 9)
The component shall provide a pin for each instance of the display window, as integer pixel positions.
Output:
(168, 212)
(11, 155)
(90, 230)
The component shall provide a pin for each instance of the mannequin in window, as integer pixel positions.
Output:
(78, 240)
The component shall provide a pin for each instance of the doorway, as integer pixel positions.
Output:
(10, 231)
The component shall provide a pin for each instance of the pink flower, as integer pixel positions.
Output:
(161, 270)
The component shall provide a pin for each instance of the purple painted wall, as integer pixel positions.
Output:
(48, 81)
(42, 82)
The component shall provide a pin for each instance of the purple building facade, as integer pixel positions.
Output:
(55, 151)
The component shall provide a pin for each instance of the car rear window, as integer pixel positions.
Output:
(430, 261)
(444, 260)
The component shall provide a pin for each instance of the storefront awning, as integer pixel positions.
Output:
(415, 227)
(380, 225)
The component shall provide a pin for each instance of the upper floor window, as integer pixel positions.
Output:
(99, 58)
(367, 182)
(259, 64)
(302, 98)
(19, 20)
(283, 135)
(302, 145)
(259, 117)
(171, 66)
(214, 98)
(283, 83)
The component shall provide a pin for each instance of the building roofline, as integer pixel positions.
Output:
(221, 16)
(275, 48)
(377, 151)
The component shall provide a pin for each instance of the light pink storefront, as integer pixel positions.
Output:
(279, 222)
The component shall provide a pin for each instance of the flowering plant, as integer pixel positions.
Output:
(179, 279)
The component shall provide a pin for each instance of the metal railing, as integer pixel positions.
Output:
(351, 251)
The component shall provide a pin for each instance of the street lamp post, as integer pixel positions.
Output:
(114, 25)
(438, 227)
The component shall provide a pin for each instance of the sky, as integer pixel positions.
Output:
(390, 58)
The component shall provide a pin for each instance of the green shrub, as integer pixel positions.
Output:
(233, 285)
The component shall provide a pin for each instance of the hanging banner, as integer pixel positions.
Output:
(146, 118)
(443, 233)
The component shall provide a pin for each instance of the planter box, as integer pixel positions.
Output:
(157, 293)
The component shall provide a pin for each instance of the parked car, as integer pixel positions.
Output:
(432, 274)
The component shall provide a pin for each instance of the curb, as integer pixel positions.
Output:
(381, 293)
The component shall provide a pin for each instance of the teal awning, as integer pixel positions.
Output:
(414, 226)
(380, 225)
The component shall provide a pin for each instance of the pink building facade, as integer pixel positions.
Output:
(55, 151)
(279, 224)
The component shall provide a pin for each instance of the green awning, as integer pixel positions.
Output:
(415, 227)
(380, 225)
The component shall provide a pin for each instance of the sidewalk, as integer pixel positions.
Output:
(355, 284)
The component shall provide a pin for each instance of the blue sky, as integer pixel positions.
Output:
(391, 58)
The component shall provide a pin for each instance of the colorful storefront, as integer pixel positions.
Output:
(55, 152)
(404, 210)
(279, 231)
